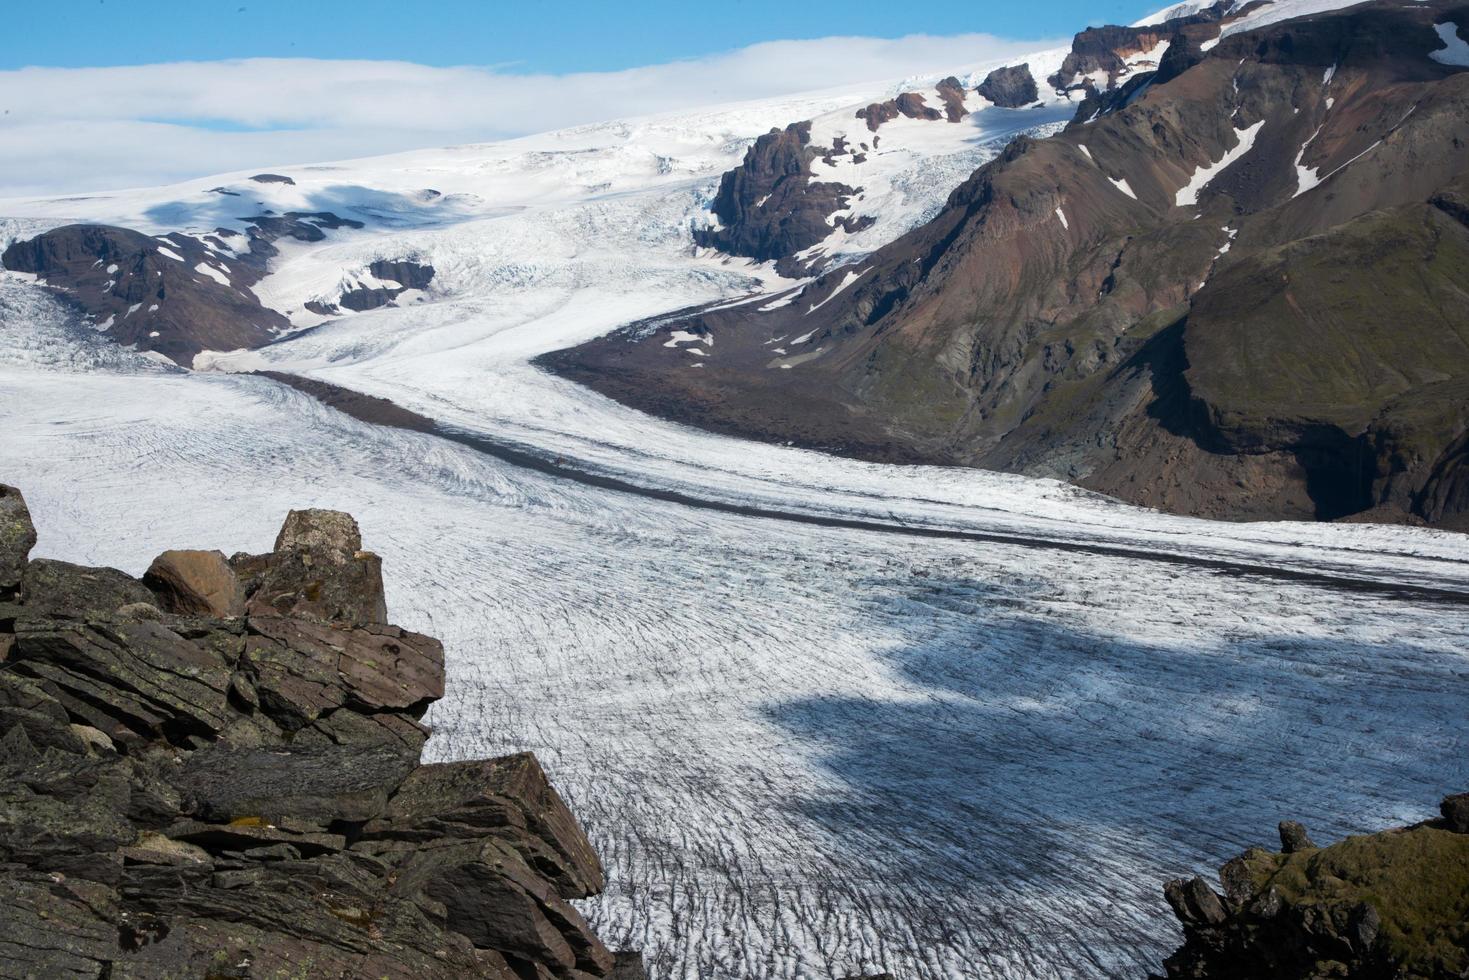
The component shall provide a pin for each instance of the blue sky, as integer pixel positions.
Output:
(532, 37)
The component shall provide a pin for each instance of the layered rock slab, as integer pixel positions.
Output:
(214, 771)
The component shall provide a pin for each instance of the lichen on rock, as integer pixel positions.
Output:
(229, 785)
(1393, 904)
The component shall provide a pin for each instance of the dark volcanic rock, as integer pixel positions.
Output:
(628, 966)
(408, 273)
(768, 207)
(273, 179)
(1106, 49)
(469, 799)
(149, 292)
(318, 570)
(65, 591)
(1010, 87)
(226, 789)
(908, 104)
(300, 226)
(951, 92)
(1392, 904)
(282, 785)
(17, 536)
(135, 682)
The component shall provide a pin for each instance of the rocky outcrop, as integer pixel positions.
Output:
(951, 93)
(1010, 87)
(391, 278)
(214, 771)
(769, 208)
(909, 104)
(1154, 303)
(1110, 53)
(1393, 904)
(301, 226)
(17, 536)
(176, 296)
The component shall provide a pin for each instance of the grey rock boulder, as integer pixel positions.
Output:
(54, 929)
(17, 536)
(303, 670)
(1194, 902)
(317, 571)
(495, 899)
(129, 680)
(62, 590)
(1010, 87)
(315, 785)
(229, 785)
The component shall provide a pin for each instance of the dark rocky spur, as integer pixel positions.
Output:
(180, 294)
(214, 772)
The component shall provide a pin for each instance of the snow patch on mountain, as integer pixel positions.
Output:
(1188, 195)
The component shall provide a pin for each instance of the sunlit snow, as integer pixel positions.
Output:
(1189, 193)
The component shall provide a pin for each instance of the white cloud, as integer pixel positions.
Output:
(77, 129)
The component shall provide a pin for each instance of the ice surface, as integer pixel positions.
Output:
(1455, 51)
(803, 751)
(1279, 10)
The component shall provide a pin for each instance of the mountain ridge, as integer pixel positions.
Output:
(1026, 327)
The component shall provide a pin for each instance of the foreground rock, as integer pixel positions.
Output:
(215, 772)
(1393, 904)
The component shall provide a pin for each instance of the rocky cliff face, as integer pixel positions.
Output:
(769, 209)
(1234, 287)
(1102, 56)
(1389, 905)
(389, 279)
(179, 294)
(1009, 87)
(214, 772)
(176, 296)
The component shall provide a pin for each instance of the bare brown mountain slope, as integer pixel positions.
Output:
(1240, 290)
